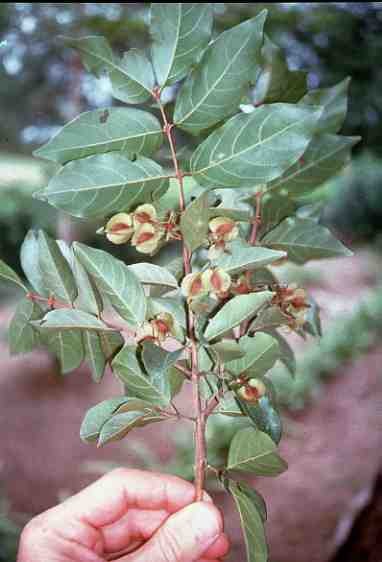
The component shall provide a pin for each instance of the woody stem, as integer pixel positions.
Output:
(200, 418)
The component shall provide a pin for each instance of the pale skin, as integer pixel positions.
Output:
(128, 516)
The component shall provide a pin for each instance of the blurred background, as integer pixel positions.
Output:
(328, 506)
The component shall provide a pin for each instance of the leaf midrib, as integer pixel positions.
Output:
(253, 146)
(195, 107)
(304, 168)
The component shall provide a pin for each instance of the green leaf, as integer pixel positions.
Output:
(227, 350)
(271, 317)
(119, 425)
(88, 298)
(277, 83)
(304, 240)
(104, 130)
(234, 312)
(71, 319)
(254, 451)
(22, 336)
(287, 355)
(154, 275)
(56, 273)
(228, 406)
(275, 206)
(194, 223)
(94, 354)
(334, 100)
(116, 281)
(325, 156)
(30, 262)
(67, 346)
(155, 390)
(240, 256)
(8, 274)
(180, 33)
(261, 353)
(97, 416)
(158, 362)
(264, 415)
(111, 343)
(216, 86)
(132, 77)
(99, 185)
(251, 521)
(255, 148)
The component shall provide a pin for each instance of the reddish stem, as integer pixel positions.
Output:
(257, 220)
(200, 418)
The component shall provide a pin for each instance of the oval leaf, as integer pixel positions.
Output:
(304, 240)
(155, 389)
(67, 346)
(98, 185)
(67, 319)
(119, 425)
(131, 77)
(8, 274)
(194, 222)
(325, 156)
(256, 148)
(334, 100)
(22, 336)
(240, 256)
(97, 416)
(216, 86)
(57, 277)
(154, 275)
(104, 130)
(261, 353)
(234, 312)
(180, 33)
(264, 416)
(116, 281)
(254, 451)
(252, 523)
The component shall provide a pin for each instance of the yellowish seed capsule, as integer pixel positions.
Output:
(147, 238)
(144, 214)
(252, 391)
(224, 228)
(119, 228)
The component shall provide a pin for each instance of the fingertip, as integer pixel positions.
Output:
(218, 549)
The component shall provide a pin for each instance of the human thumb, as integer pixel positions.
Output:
(184, 537)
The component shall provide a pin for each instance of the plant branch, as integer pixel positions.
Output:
(257, 219)
(200, 419)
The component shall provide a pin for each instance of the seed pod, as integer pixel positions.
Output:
(224, 228)
(162, 325)
(193, 285)
(119, 228)
(252, 391)
(217, 280)
(147, 238)
(144, 214)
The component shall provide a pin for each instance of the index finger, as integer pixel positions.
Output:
(109, 498)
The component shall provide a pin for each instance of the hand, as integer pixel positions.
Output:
(126, 510)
